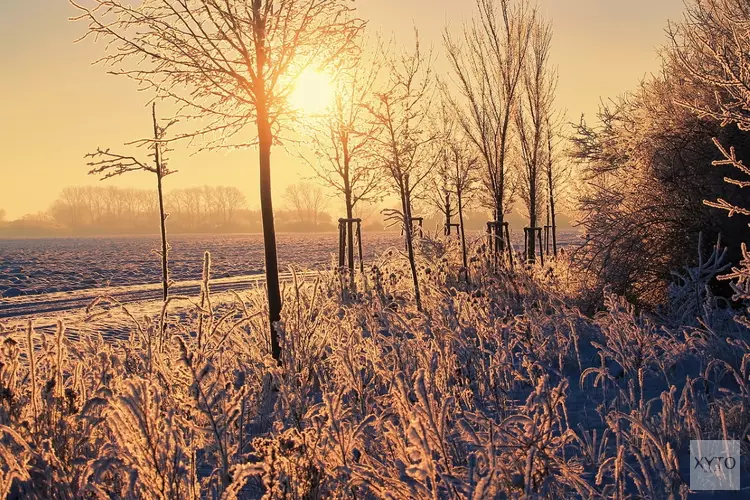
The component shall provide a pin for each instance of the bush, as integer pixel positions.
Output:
(485, 393)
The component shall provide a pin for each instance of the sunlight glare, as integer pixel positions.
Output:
(313, 92)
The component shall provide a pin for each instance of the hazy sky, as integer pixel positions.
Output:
(55, 106)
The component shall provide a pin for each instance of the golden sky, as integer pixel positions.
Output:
(55, 106)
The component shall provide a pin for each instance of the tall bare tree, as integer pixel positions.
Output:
(488, 62)
(108, 164)
(404, 141)
(230, 64)
(535, 106)
(440, 191)
(341, 141)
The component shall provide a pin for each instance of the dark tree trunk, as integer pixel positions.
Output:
(162, 214)
(531, 257)
(409, 233)
(459, 200)
(269, 231)
(552, 212)
(349, 234)
(265, 141)
(447, 214)
(500, 242)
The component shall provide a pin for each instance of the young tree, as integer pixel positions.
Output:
(404, 139)
(454, 174)
(229, 64)
(440, 186)
(462, 180)
(341, 140)
(488, 62)
(557, 172)
(108, 164)
(531, 121)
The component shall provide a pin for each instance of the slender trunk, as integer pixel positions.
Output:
(265, 141)
(459, 200)
(349, 204)
(164, 244)
(547, 236)
(406, 206)
(269, 231)
(500, 242)
(552, 210)
(350, 235)
(500, 194)
(531, 257)
(162, 215)
(447, 214)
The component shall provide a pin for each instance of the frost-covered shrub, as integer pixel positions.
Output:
(475, 396)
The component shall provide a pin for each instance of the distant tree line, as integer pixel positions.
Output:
(209, 209)
(105, 209)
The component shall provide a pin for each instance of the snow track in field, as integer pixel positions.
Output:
(34, 305)
(142, 300)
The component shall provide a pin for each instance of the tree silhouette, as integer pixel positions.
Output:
(341, 140)
(228, 64)
(108, 164)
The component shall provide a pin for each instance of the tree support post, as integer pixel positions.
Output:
(449, 227)
(547, 238)
(419, 221)
(498, 240)
(529, 234)
(345, 227)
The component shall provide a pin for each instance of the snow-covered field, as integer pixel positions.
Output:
(42, 266)
(37, 266)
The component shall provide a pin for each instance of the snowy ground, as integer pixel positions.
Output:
(41, 266)
(47, 279)
(44, 266)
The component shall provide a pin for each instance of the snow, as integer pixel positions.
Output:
(37, 266)
(51, 265)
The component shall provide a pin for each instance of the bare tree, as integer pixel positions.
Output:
(404, 140)
(341, 141)
(456, 173)
(488, 62)
(108, 164)
(440, 190)
(557, 172)
(307, 201)
(230, 64)
(534, 108)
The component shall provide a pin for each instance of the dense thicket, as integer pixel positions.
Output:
(645, 172)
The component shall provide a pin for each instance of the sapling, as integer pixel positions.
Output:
(488, 60)
(403, 141)
(108, 165)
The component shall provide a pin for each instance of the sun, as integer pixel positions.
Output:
(313, 92)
